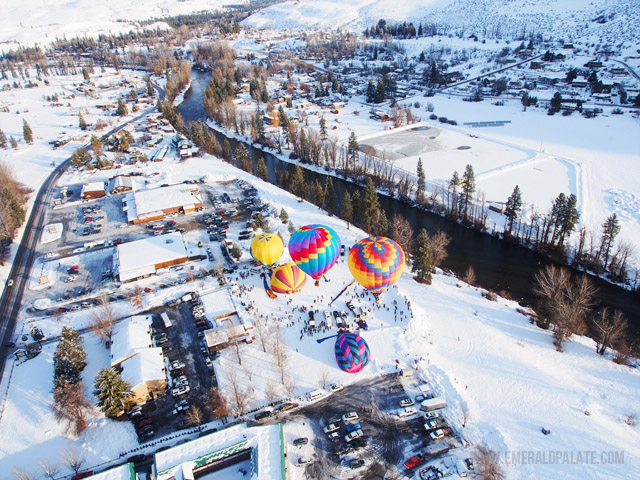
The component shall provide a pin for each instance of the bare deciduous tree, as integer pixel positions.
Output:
(470, 275)
(439, 243)
(20, 473)
(262, 332)
(608, 328)
(195, 416)
(239, 396)
(49, 470)
(70, 404)
(324, 377)
(103, 319)
(487, 464)
(271, 392)
(217, 404)
(402, 233)
(73, 459)
(549, 284)
(289, 385)
(279, 352)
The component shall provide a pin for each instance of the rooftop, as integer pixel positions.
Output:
(130, 337)
(145, 366)
(144, 254)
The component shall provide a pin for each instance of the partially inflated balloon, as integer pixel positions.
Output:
(288, 278)
(267, 248)
(352, 352)
(315, 249)
(376, 263)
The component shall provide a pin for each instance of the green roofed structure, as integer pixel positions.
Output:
(262, 445)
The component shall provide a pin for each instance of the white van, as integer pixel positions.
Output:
(316, 394)
(165, 318)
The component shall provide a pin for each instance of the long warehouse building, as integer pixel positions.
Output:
(141, 258)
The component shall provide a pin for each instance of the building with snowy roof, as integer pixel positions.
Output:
(149, 205)
(130, 337)
(141, 258)
(263, 445)
(146, 374)
(93, 190)
(121, 184)
(121, 472)
(138, 361)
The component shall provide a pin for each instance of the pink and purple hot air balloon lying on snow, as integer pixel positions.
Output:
(352, 352)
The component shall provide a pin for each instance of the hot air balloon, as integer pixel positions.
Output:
(376, 263)
(352, 352)
(315, 249)
(288, 278)
(267, 248)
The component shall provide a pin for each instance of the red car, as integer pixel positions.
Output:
(117, 241)
(144, 422)
(414, 461)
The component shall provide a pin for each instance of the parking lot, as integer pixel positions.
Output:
(376, 402)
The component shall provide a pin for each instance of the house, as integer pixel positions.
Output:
(149, 205)
(93, 190)
(136, 359)
(121, 184)
(142, 258)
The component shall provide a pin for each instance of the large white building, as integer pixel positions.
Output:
(263, 445)
(141, 258)
(149, 205)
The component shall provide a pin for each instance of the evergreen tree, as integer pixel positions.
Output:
(331, 197)
(241, 157)
(513, 208)
(3, 139)
(85, 74)
(323, 129)
(113, 393)
(298, 183)
(568, 218)
(421, 182)
(352, 149)
(284, 216)
(262, 170)
(556, 102)
(122, 108)
(82, 123)
(422, 262)
(381, 227)
(13, 143)
(347, 208)
(468, 188)
(379, 98)
(610, 229)
(371, 206)
(150, 91)
(358, 208)
(69, 358)
(571, 75)
(317, 193)
(27, 133)
(226, 150)
(371, 92)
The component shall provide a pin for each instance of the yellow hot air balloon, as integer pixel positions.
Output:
(288, 278)
(267, 248)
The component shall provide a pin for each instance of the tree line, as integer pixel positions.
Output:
(13, 196)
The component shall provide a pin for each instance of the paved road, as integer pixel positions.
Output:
(20, 270)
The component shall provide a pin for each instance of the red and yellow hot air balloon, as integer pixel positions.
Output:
(376, 263)
(288, 278)
(267, 248)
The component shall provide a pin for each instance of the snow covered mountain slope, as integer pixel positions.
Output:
(612, 20)
(36, 21)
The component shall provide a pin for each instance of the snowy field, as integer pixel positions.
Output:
(475, 352)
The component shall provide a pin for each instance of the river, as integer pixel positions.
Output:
(499, 266)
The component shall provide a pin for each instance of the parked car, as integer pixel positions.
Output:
(429, 415)
(336, 387)
(353, 426)
(144, 422)
(261, 415)
(298, 442)
(356, 463)
(414, 461)
(406, 402)
(407, 411)
(353, 435)
(304, 461)
(286, 406)
(438, 434)
(469, 463)
(181, 390)
(350, 417)
(431, 425)
(332, 427)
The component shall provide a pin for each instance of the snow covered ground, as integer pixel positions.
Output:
(475, 352)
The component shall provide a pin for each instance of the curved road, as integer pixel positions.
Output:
(12, 296)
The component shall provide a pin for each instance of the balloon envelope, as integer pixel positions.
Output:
(376, 263)
(352, 352)
(267, 248)
(288, 278)
(315, 249)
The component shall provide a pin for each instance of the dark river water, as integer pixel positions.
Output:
(498, 265)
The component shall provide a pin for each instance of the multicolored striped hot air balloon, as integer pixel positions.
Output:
(376, 263)
(267, 248)
(288, 278)
(315, 249)
(352, 352)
